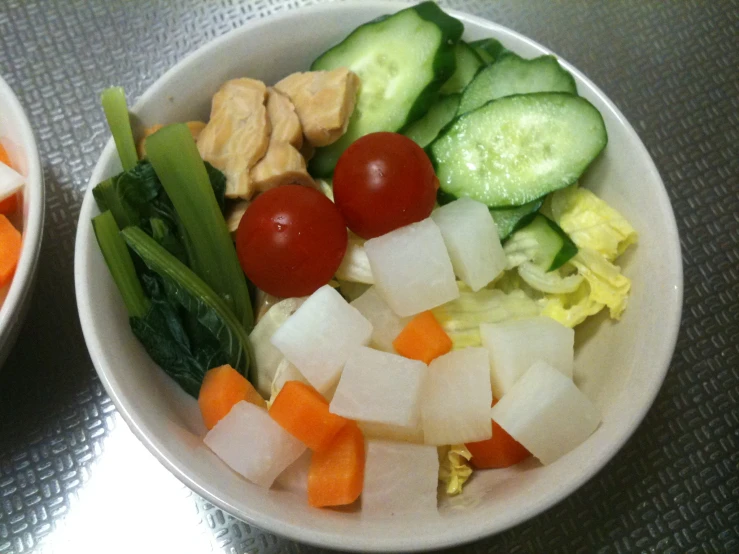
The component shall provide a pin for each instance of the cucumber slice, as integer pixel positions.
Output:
(519, 148)
(426, 129)
(402, 61)
(468, 64)
(542, 241)
(507, 220)
(512, 74)
(489, 49)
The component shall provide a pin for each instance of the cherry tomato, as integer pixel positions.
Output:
(384, 181)
(291, 240)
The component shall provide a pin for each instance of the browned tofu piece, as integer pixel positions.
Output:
(196, 127)
(284, 120)
(281, 165)
(324, 101)
(237, 135)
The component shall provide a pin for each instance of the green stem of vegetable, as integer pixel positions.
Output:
(107, 199)
(120, 264)
(116, 112)
(159, 260)
(181, 170)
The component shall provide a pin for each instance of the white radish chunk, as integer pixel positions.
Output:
(546, 413)
(412, 269)
(10, 181)
(319, 337)
(295, 478)
(381, 387)
(399, 479)
(455, 406)
(266, 356)
(386, 324)
(472, 240)
(385, 431)
(253, 444)
(515, 345)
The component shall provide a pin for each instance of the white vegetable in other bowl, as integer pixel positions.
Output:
(514, 346)
(546, 413)
(253, 444)
(472, 240)
(399, 478)
(412, 269)
(386, 324)
(456, 398)
(319, 337)
(380, 387)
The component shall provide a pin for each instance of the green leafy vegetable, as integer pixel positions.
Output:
(116, 112)
(183, 175)
(184, 288)
(120, 263)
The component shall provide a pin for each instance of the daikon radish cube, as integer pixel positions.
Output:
(386, 431)
(319, 337)
(379, 386)
(253, 444)
(515, 345)
(546, 413)
(10, 181)
(472, 241)
(456, 398)
(399, 478)
(386, 324)
(412, 269)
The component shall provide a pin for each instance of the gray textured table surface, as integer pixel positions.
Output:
(74, 479)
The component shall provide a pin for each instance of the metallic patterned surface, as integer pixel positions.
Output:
(74, 479)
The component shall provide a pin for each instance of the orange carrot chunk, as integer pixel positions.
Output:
(222, 388)
(500, 451)
(10, 250)
(336, 475)
(303, 412)
(423, 339)
(4, 158)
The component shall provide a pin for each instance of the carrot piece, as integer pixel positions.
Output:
(4, 158)
(499, 451)
(336, 475)
(222, 388)
(9, 205)
(423, 339)
(303, 412)
(10, 250)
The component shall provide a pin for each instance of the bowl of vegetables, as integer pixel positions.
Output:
(21, 215)
(375, 304)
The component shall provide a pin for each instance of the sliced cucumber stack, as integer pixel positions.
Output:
(508, 220)
(426, 129)
(468, 64)
(489, 49)
(542, 241)
(517, 149)
(512, 74)
(402, 61)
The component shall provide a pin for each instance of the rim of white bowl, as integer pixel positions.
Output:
(445, 538)
(33, 223)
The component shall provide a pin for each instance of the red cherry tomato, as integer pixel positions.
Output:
(384, 181)
(291, 240)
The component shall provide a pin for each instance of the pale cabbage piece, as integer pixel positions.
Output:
(461, 318)
(608, 285)
(548, 281)
(454, 467)
(571, 309)
(591, 223)
(355, 266)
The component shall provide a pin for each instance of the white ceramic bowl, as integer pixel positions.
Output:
(16, 136)
(619, 365)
